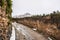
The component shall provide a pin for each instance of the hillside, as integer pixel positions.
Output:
(48, 24)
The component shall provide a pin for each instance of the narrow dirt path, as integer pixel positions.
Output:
(25, 33)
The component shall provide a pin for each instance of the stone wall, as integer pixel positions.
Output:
(5, 23)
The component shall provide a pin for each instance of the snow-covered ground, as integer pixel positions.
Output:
(13, 34)
(27, 32)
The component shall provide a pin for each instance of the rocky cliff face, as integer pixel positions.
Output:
(5, 20)
(43, 25)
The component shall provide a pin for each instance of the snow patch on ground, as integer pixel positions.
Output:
(13, 34)
(49, 38)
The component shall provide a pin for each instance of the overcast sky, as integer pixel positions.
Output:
(35, 6)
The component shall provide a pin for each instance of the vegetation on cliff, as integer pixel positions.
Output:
(5, 19)
(53, 18)
(9, 6)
